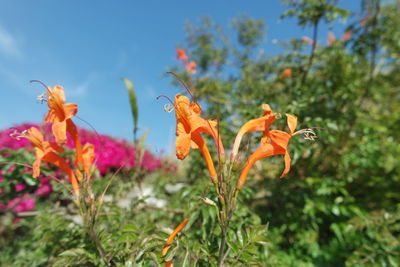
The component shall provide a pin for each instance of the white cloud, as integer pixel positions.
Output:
(8, 44)
(82, 88)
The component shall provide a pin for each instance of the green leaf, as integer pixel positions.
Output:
(133, 103)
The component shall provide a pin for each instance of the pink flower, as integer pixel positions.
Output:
(20, 187)
(20, 204)
(43, 190)
(2, 206)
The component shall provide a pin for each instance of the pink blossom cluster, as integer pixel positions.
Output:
(111, 153)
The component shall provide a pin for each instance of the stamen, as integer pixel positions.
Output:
(37, 81)
(17, 135)
(277, 115)
(169, 99)
(169, 107)
(308, 134)
(42, 98)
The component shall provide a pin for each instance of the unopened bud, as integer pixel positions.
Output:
(207, 201)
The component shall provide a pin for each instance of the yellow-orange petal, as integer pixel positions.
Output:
(70, 110)
(264, 151)
(182, 145)
(292, 123)
(259, 124)
(58, 161)
(35, 136)
(199, 141)
(73, 132)
(88, 156)
(176, 231)
(165, 249)
(287, 165)
(59, 130)
(280, 138)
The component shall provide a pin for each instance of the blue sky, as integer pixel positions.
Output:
(87, 46)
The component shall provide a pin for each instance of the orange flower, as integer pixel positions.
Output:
(273, 143)
(46, 151)
(181, 54)
(60, 115)
(331, 38)
(171, 239)
(259, 124)
(286, 73)
(189, 125)
(88, 157)
(191, 67)
(346, 36)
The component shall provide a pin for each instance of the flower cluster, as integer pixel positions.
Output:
(189, 66)
(111, 153)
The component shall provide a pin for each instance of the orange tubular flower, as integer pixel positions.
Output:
(346, 36)
(181, 54)
(60, 115)
(259, 124)
(171, 239)
(88, 157)
(46, 151)
(189, 125)
(286, 73)
(274, 142)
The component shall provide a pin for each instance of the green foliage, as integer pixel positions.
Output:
(133, 103)
(348, 88)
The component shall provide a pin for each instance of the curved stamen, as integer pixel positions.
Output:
(183, 84)
(37, 81)
(169, 99)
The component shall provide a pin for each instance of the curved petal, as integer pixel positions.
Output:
(58, 161)
(200, 125)
(292, 123)
(35, 136)
(73, 132)
(70, 110)
(182, 146)
(59, 131)
(88, 156)
(264, 151)
(280, 138)
(177, 230)
(198, 140)
(287, 164)
(259, 124)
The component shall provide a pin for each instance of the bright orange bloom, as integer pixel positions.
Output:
(171, 239)
(286, 73)
(88, 157)
(259, 124)
(191, 67)
(181, 54)
(189, 125)
(46, 151)
(60, 115)
(273, 143)
(346, 36)
(331, 38)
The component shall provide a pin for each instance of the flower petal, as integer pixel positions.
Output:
(264, 151)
